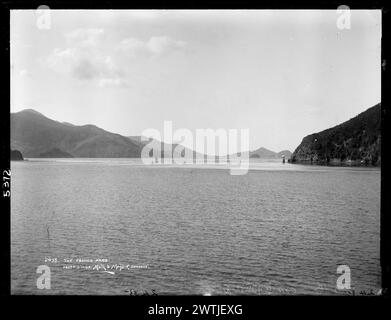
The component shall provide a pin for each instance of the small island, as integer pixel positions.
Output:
(16, 155)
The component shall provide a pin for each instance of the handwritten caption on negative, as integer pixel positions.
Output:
(98, 264)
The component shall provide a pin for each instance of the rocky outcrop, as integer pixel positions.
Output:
(354, 142)
(16, 155)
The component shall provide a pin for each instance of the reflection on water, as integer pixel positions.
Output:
(191, 229)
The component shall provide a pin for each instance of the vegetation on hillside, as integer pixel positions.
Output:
(356, 140)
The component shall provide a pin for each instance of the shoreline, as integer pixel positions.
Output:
(335, 163)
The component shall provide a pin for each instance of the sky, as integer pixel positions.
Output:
(282, 74)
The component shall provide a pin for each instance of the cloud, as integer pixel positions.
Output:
(83, 65)
(87, 57)
(84, 59)
(155, 46)
(89, 37)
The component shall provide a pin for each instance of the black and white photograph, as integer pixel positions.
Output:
(195, 152)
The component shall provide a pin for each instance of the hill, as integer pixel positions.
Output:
(38, 136)
(55, 153)
(164, 147)
(356, 141)
(263, 153)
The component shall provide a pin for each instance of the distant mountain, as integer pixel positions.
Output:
(164, 147)
(356, 141)
(38, 136)
(263, 153)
